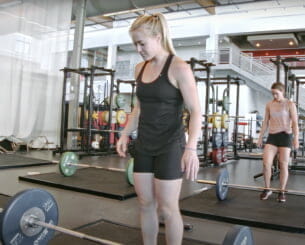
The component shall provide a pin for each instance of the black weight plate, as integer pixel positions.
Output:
(239, 235)
(222, 182)
(11, 229)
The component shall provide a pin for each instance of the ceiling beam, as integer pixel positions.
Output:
(106, 21)
(165, 5)
(208, 5)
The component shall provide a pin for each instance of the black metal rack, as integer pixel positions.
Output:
(85, 129)
(210, 81)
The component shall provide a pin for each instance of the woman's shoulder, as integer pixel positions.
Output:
(138, 67)
(178, 65)
(269, 103)
(291, 104)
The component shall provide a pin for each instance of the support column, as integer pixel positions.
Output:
(212, 44)
(111, 56)
(76, 63)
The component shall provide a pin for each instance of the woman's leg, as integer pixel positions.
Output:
(284, 155)
(269, 153)
(148, 207)
(167, 195)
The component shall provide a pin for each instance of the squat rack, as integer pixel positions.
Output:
(205, 66)
(89, 75)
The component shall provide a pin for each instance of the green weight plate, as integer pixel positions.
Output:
(239, 235)
(129, 171)
(120, 100)
(64, 164)
(222, 185)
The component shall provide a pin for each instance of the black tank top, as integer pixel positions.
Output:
(160, 121)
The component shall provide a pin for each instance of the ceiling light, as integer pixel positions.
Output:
(271, 41)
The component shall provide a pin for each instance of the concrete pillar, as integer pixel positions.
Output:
(76, 63)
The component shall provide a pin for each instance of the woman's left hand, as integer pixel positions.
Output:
(190, 164)
(296, 143)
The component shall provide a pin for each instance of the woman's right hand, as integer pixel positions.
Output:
(121, 145)
(260, 142)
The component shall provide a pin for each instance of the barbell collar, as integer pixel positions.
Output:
(33, 221)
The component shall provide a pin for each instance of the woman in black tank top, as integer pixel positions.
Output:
(164, 84)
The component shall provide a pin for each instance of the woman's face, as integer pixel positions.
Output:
(277, 94)
(146, 45)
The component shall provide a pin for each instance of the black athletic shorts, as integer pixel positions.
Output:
(165, 166)
(281, 139)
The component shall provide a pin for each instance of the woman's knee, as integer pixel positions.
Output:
(147, 204)
(267, 164)
(283, 165)
(167, 210)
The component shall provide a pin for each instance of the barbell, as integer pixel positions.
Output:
(69, 163)
(31, 217)
(222, 186)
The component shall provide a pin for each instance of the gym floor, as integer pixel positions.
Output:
(78, 209)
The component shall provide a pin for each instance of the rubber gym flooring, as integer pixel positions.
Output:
(244, 207)
(77, 209)
(16, 161)
(101, 182)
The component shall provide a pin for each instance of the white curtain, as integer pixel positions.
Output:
(34, 37)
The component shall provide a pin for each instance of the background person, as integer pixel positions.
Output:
(282, 121)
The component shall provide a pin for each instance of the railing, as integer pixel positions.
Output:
(264, 73)
(259, 69)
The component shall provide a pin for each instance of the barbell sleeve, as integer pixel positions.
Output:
(209, 182)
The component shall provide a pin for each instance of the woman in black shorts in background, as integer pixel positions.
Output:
(282, 121)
